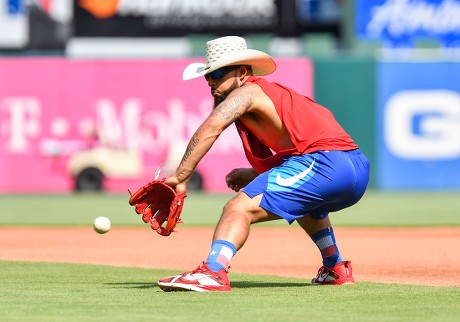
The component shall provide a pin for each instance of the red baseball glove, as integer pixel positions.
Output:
(158, 203)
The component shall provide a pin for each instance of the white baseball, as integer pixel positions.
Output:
(101, 225)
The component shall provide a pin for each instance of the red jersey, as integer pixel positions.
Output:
(311, 127)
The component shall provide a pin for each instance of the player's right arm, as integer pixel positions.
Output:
(227, 112)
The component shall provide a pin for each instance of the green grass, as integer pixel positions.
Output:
(65, 292)
(375, 209)
(68, 292)
(403, 209)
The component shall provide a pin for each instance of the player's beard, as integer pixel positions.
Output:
(219, 97)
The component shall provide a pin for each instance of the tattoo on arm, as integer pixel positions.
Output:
(193, 143)
(231, 108)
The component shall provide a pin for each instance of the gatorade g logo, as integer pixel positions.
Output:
(423, 124)
(101, 9)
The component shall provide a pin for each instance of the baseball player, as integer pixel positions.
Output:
(304, 165)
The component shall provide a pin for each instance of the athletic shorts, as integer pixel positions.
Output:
(312, 184)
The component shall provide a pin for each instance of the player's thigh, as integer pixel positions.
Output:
(243, 205)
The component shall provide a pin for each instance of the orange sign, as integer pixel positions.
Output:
(101, 9)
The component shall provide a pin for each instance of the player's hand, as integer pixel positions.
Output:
(174, 183)
(239, 178)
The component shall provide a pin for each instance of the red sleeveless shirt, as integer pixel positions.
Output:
(311, 128)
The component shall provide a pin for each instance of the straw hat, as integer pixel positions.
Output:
(229, 51)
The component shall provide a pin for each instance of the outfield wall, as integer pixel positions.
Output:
(63, 120)
(347, 86)
(404, 113)
(418, 125)
(128, 117)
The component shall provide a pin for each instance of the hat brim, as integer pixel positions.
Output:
(261, 63)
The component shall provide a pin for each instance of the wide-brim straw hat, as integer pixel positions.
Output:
(230, 51)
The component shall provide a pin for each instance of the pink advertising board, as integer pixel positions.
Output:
(122, 119)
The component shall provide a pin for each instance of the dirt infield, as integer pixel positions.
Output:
(423, 256)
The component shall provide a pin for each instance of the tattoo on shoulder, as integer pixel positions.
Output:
(235, 105)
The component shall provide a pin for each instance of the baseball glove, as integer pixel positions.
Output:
(158, 203)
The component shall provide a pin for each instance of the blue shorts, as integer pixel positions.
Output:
(312, 184)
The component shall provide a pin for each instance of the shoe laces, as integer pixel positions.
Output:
(325, 270)
(201, 269)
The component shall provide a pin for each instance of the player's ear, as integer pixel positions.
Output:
(245, 71)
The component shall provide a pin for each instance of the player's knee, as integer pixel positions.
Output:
(233, 206)
(237, 206)
(245, 207)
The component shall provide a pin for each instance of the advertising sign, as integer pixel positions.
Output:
(398, 23)
(178, 18)
(172, 17)
(81, 124)
(419, 125)
(14, 32)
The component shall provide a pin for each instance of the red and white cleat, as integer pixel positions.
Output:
(202, 279)
(337, 275)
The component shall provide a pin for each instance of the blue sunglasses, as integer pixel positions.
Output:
(219, 73)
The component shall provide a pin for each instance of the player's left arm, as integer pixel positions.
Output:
(227, 112)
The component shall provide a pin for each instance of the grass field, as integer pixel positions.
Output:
(70, 292)
(375, 209)
(64, 292)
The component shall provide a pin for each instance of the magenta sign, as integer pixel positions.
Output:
(65, 124)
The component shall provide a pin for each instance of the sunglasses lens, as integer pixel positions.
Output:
(217, 74)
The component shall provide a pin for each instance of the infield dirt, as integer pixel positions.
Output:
(423, 256)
